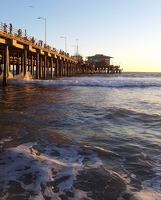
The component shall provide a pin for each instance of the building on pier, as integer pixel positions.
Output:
(100, 63)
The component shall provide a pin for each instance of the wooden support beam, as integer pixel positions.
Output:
(6, 64)
(25, 62)
(37, 65)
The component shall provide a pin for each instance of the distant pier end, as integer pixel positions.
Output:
(100, 63)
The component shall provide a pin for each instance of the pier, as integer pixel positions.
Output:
(20, 53)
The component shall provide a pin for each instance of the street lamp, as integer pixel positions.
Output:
(65, 43)
(45, 26)
(77, 46)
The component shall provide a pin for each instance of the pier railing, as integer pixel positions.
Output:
(19, 33)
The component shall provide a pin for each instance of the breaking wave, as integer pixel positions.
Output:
(97, 81)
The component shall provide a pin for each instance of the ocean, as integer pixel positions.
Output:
(92, 137)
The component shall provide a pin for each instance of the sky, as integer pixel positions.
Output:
(127, 30)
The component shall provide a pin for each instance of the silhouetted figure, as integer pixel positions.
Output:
(25, 32)
(40, 42)
(33, 40)
(10, 28)
(5, 27)
(19, 32)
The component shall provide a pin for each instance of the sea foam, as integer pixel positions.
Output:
(50, 173)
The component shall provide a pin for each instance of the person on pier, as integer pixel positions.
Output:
(5, 27)
(10, 28)
(19, 32)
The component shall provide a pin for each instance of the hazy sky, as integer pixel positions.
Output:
(128, 30)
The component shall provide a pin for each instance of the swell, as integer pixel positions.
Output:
(95, 81)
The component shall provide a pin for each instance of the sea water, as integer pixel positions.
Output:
(81, 138)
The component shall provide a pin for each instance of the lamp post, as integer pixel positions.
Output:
(77, 46)
(45, 26)
(65, 43)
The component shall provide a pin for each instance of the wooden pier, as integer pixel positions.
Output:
(20, 53)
